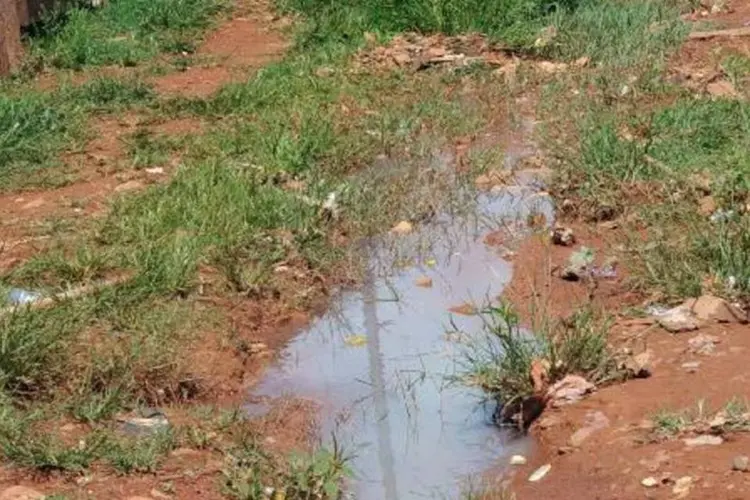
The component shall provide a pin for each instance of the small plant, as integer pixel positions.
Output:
(140, 454)
(501, 364)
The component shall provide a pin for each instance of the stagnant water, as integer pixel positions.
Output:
(389, 398)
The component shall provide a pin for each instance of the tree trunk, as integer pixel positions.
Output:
(10, 36)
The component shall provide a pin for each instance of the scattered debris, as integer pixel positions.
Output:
(417, 52)
(649, 482)
(721, 215)
(676, 320)
(538, 474)
(682, 486)
(403, 227)
(562, 236)
(330, 208)
(19, 296)
(355, 340)
(569, 390)
(703, 440)
(579, 264)
(550, 67)
(424, 282)
(604, 272)
(741, 463)
(151, 422)
(154, 170)
(703, 344)
(517, 460)
(711, 308)
(464, 309)
(595, 421)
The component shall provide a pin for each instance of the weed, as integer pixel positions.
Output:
(252, 473)
(733, 416)
(139, 454)
(146, 149)
(110, 94)
(501, 363)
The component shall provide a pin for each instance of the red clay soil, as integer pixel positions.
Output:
(612, 462)
(239, 45)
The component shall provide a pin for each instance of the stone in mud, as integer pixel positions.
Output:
(569, 390)
(741, 463)
(563, 236)
(711, 308)
(640, 365)
(721, 88)
(677, 320)
(703, 344)
(403, 227)
(649, 482)
(691, 366)
(682, 487)
(703, 440)
(424, 282)
(21, 493)
(129, 186)
(707, 205)
(595, 421)
(539, 474)
(517, 460)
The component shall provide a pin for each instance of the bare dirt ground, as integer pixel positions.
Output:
(603, 446)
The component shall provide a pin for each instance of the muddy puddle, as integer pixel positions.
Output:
(382, 362)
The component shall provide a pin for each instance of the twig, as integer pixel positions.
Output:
(728, 33)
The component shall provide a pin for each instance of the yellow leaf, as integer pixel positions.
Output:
(355, 340)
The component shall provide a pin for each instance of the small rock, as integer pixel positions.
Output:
(34, 204)
(570, 389)
(582, 62)
(703, 344)
(550, 67)
(155, 170)
(721, 88)
(563, 236)
(152, 422)
(691, 366)
(129, 186)
(538, 474)
(403, 227)
(639, 366)
(682, 486)
(402, 58)
(424, 282)
(649, 482)
(158, 494)
(517, 460)
(741, 463)
(711, 308)
(703, 440)
(707, 205)
(595, 421)
(21, 493)
(677, 320)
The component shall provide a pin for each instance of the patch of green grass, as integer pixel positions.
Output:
(122, 32)
(111, 94)
(147, 149)
(733, 416)
(141, 455)
(34, 129)
(501, 363)
(251, 473)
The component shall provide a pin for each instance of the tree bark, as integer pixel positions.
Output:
(10, 36)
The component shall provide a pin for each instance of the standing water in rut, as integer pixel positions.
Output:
(388, 398)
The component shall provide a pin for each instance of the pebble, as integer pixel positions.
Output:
(517, 460)
(563, 236)
(703, 440)
(129, 186)
(703, 344)
(649, 482)
(677, 320)
(741, 463)
(691, 366)
(538, 474)
(682, 486)
(151, 423)
(155, 170)
(21, 493)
